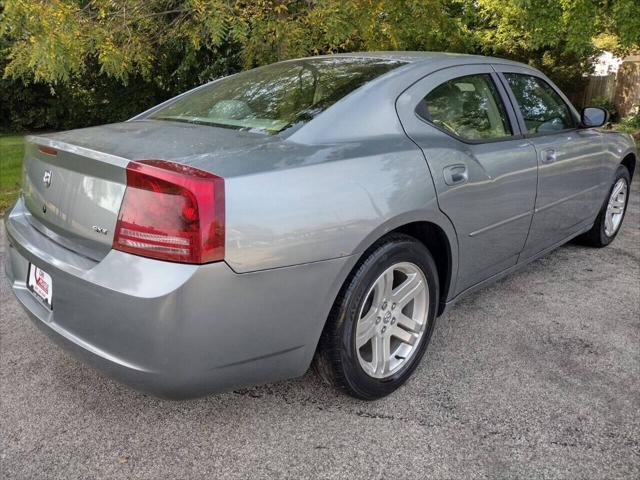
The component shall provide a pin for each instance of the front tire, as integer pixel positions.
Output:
(382, 320)
(609, 219)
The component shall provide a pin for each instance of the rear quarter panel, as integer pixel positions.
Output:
(329, 209)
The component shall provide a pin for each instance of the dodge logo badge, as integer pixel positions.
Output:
(46, 179)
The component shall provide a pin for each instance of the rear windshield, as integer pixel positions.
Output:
(273, 98)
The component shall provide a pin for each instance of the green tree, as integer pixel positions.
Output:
(87, 50)
(559, 37)
(52, 40)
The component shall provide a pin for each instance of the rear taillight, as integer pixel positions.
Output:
(47, 150)
(171, 212)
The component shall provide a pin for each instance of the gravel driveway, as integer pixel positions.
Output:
(537, 376)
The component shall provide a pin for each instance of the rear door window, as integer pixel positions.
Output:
(468, 107)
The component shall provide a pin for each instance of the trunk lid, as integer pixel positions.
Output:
(73, 194)
(87, 174)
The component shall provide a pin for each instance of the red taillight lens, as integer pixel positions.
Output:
(171, 212)
(47, 150)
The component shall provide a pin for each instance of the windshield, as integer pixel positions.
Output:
(275, 97)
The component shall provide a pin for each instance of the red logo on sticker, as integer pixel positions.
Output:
(40, 281)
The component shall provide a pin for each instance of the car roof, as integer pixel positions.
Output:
(378, 119)
(416, 57)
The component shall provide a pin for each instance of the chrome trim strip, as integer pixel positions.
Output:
(500, 223)
(558, 202)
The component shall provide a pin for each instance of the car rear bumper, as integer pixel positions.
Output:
(172, 329)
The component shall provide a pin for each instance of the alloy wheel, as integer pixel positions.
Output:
(615, 207)
(392, 320)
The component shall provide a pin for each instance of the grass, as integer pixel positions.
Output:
(11, 153)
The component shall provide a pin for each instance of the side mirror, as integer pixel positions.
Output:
(593, 117)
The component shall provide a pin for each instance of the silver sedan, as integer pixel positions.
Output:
(321, 210)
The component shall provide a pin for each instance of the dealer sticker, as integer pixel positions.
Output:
(40, 283)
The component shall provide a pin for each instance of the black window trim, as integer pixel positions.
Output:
(518, 111)
(514, 120)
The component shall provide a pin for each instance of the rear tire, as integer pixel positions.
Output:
(382, 320)
(605, 228)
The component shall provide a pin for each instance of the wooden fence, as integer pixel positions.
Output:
(622, 89)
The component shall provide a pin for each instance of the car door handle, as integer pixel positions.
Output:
(455, 174)
(548, 156)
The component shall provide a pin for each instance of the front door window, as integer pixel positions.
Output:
(543, 109)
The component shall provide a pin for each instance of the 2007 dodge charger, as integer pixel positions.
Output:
(325, 209)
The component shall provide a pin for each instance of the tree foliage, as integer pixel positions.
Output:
(51, 40)
(163, 46)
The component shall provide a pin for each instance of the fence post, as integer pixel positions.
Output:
(627, 91)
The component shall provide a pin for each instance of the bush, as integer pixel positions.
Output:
(93, 98)
(632, 122)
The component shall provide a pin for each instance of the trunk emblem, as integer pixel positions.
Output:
(98, 229)
(46, 178)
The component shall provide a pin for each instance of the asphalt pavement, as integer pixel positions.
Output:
(537, 376)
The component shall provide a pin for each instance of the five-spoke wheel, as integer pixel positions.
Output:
(392, 319)
(607, 224)
(615, 207)
(382, 320)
